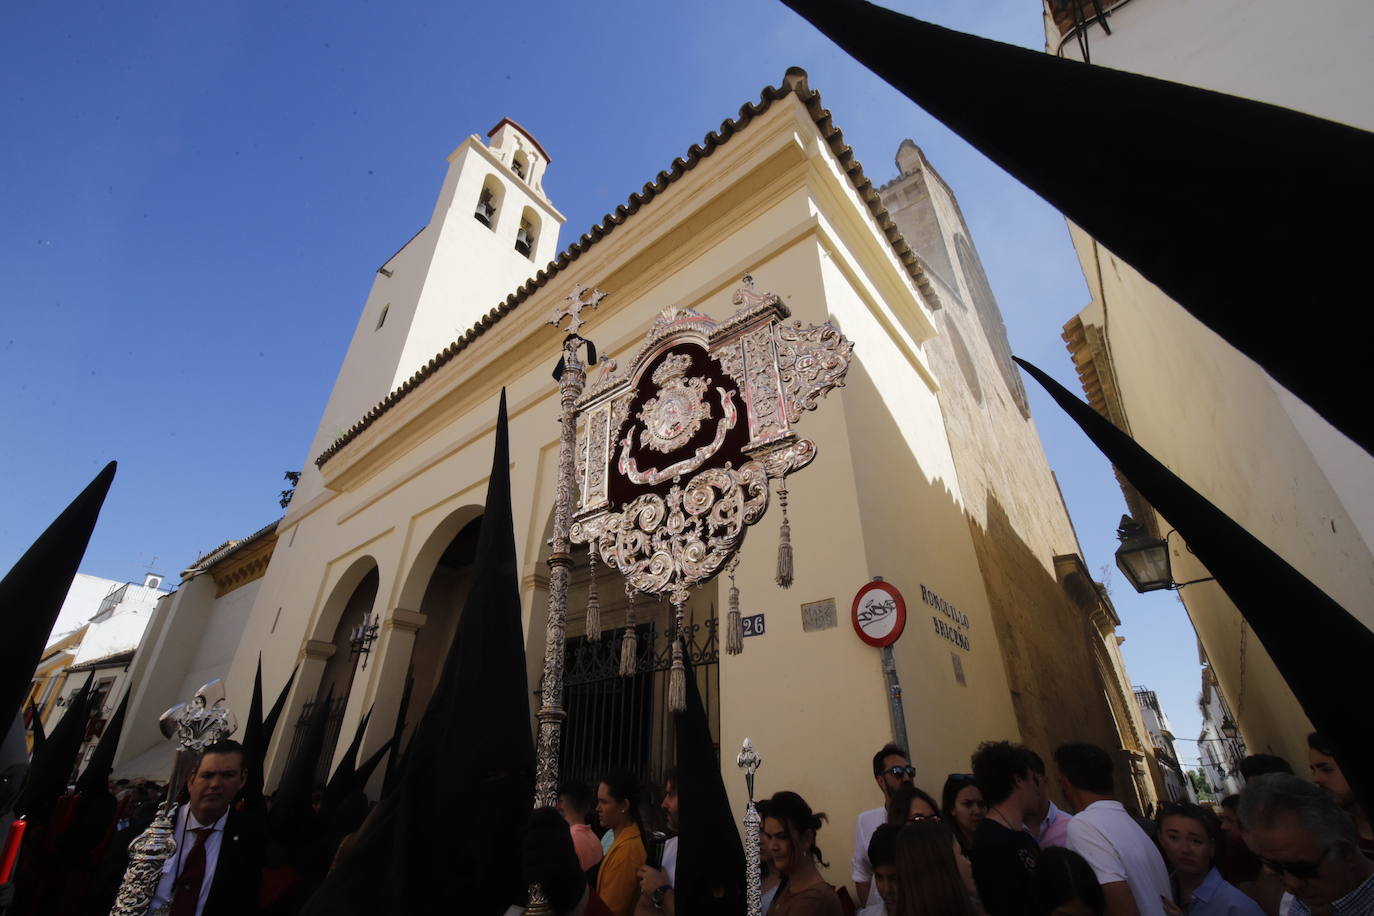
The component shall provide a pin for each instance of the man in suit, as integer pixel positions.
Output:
(216, 869)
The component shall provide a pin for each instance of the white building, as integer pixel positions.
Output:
(1219, 745)
(1204, 409)
(112, 631)
(1176, 784)
(191, 638)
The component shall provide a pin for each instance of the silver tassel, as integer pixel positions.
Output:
(677, 674)
(784, 577)
(629, 643)
(734, 625)
(593, 624)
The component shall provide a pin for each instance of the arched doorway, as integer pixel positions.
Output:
(352, 606)
(431, 598)
(442, 604)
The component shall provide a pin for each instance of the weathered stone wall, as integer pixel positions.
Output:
(1011, 499)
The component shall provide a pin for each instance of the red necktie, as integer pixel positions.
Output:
(186, 893)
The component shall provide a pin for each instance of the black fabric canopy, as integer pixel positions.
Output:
(1318, 647)
(1245, 213)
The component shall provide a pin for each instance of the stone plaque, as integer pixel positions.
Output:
(818, 615)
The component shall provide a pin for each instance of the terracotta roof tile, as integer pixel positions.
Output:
(794, 81)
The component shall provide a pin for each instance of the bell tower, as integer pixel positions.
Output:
(492, 229)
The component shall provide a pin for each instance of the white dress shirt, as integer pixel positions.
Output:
(186, 838)
(1118, 850)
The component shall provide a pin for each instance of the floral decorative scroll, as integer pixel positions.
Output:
(675, 523)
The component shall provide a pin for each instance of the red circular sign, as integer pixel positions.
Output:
(879, 614)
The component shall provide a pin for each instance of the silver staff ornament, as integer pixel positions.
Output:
(749, 761)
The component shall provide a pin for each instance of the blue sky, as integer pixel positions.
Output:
(195, 198)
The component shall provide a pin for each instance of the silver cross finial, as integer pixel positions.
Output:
(749, 761)
(572, 305)
(201, 722)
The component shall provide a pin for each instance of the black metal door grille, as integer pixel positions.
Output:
(617, 722)
(331, 734)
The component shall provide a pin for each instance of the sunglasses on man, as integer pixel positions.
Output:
(908, 771)
(1303, 871)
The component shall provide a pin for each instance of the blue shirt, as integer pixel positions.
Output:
(1217, 897)
(1357, 902)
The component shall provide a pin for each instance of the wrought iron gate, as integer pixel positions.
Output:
(619, 722)
(331, 734)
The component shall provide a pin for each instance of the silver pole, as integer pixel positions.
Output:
(551, 713)
(749, 762)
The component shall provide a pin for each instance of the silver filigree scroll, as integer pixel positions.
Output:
(664, 543)
(196, 725)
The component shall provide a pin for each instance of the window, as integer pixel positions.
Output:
(520, 164)
(381, 319)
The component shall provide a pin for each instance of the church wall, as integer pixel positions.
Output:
(1014, 511)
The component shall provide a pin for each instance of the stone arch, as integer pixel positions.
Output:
(435, 586)
(416, 579)
(487, 209)
(331, 612)
(527, 235)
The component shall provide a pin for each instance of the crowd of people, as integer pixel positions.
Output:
(996, 843)
(993, 843)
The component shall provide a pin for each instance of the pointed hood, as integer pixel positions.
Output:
(393, 763)
(369, 766)
(292, 801)
(95, 778)
(36, 727)
(1265, 589)
(466, 784)
(1201, 192)
(710, 857)
(269, 722)
(31, 594)
(53, 763)
(14, 767)
(254, 748)
(341, 784)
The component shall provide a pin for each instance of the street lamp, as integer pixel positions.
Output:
(1229, 728)
(1143, 558)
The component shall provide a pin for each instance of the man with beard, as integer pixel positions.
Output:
(656, 884)
(1326, 772)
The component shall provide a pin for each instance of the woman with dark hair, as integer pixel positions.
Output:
(962, 806)
(930, 879)
(617, 806)
(1066, 885)
(1189, 835)
(789, 841)
(909, 804)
